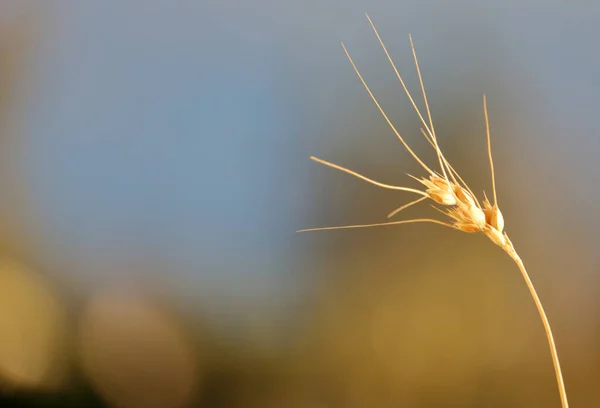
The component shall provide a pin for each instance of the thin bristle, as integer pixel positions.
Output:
(412, 101)
(408, 94)
(387, 119)
(446, 213)
(360, 176)
(405, 206)
(382, 224)
(489, 142)
(432, 129)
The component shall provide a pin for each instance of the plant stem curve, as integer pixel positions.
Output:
(509, 249)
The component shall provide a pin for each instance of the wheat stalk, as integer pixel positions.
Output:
(452, 195)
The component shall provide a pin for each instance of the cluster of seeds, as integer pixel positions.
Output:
(465, 210)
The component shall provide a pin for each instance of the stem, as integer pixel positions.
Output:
(559, 378)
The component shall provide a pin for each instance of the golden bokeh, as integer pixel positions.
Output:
(32, 329)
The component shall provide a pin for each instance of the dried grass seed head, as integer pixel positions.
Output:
(460, 202)
(446, 187)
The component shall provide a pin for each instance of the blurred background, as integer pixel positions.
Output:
(154, 168)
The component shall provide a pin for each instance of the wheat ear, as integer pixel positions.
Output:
(448, 190)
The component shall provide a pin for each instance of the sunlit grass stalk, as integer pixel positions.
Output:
(453, 197)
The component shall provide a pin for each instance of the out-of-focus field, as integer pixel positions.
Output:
(154, 167)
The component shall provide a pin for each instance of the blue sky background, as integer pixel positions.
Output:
(179, 130)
